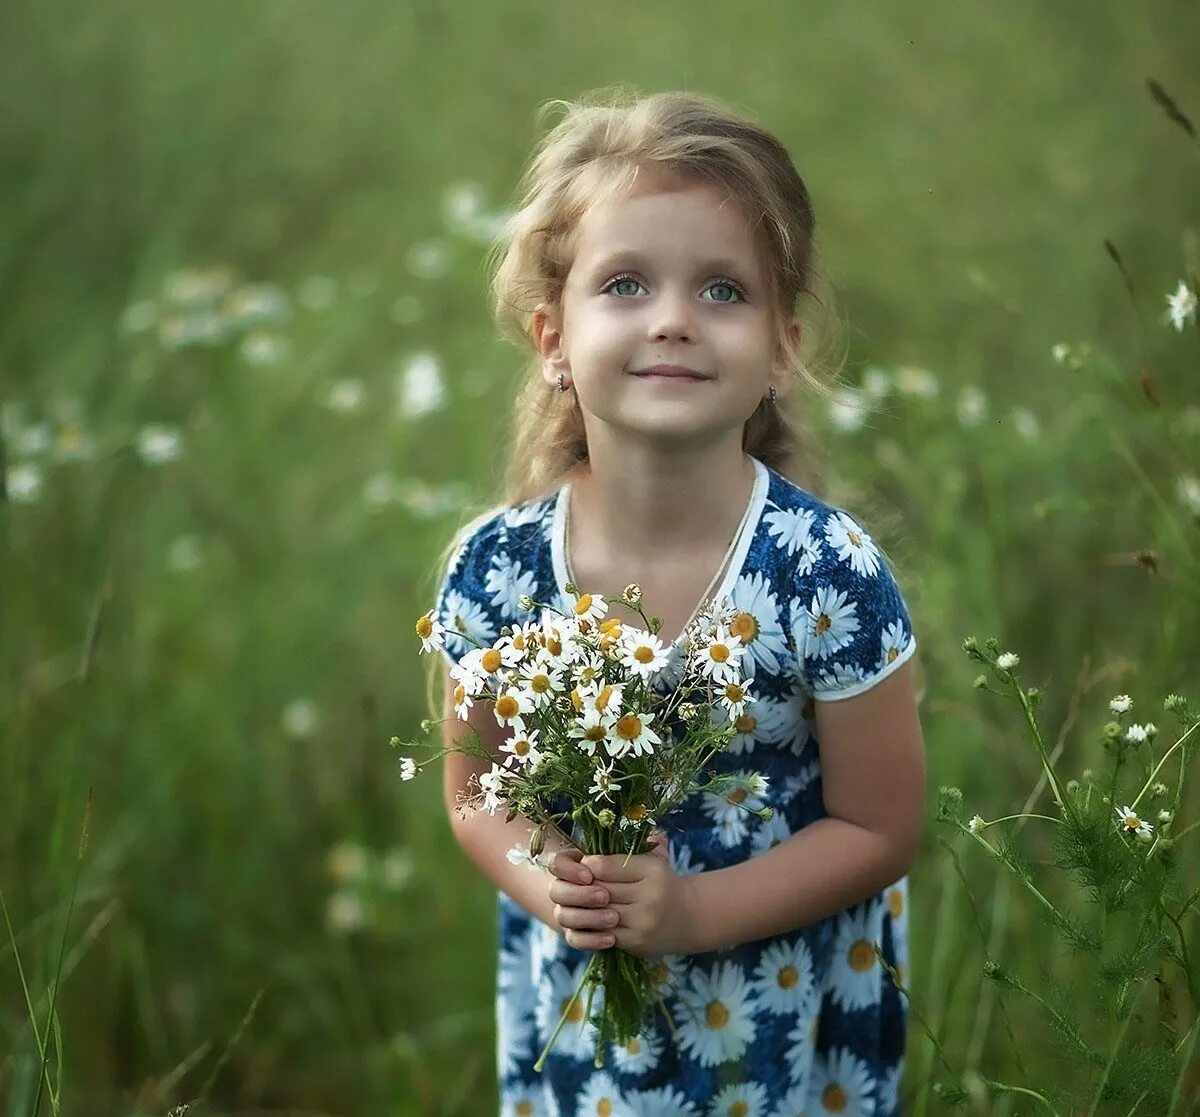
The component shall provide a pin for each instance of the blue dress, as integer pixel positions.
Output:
(802, 1023)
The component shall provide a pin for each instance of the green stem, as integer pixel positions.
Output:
(566, 1012)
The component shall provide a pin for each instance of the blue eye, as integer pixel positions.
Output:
(741, 295)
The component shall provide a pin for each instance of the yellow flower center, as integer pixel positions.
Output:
(507, 706)
(734, 692)
(424, 627)
(576, 1012)
(861, 956)
(604, 698)
(643, 654)
(612, 625)
(491, 660)
(637, 812)
(855, 538)
(518, 641)
(577, 700)
(594, 733)
(521, 748)
(892, 653)
(719, 652)
(738, 1109)
(524, 1108)
(745, 625)
(540, 684)
(1132, 822)
(788, 977)
(833, 1098)
(633, 1047)
(460, 692)
(745, 723)
(895, 902)
(629, 727)
(738, 795)
(583, 604)
(604, 1108)
(717, 1015)
(822, 625)
(659, 973)
(554, 645)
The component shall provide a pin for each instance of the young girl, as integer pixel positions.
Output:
(652, 268)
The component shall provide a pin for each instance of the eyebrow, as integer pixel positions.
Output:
(633, 256)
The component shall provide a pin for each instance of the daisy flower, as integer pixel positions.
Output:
(592, 729)
(522, 749)
(590, 608)
(830, 622)
(512, 704)
(632, 734)
(431, 631)
(1121, 704)
(543, 679)
(493, 788)
(603, 785)
(1181, 306)
(641, 653)
(1007, 661)
(734, 696)
(841, 1085)
(851, 542)
(408, 768)
(718, 655)
(1130, 823)
(716, 1019)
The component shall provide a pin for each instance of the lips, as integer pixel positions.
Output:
(671, 371)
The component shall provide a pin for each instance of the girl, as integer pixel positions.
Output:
(652, 268)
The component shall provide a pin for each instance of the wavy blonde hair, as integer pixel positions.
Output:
(595, 152)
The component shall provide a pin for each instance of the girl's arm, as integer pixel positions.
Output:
(873, 782)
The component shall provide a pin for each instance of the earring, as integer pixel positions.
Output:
(561, 386)
(774, 394)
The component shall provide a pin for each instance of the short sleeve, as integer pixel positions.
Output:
(850, 624)
(474, 588)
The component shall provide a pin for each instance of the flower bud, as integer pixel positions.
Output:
(1175, 704)
(632, 593)
(992, 644)
(537, 841)
(605, 817)
(980, 682)
(949, 804)
(525, 601)
(571, 587)
(425, 725)
(970, 645)
(1073, 786)
(1111, 731)
(394, 742)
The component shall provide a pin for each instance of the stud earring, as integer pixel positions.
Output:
(774, 394)
(561, 386)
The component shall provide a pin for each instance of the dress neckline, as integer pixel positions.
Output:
(727, 572)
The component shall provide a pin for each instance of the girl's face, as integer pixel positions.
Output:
(667, 274)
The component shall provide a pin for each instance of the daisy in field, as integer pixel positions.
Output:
(715, 1015)
(855, 974)
(849, 541)
(841, 1086)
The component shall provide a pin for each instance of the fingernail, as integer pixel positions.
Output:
(585, 877)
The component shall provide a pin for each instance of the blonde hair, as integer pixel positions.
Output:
(596, 152)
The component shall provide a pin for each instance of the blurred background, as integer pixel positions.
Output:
(249, 384)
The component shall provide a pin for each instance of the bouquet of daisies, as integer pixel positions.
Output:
(607, 736)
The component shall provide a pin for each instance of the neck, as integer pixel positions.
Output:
(644, 506)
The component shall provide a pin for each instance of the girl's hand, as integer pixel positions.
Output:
(656, 908)
(580, 906)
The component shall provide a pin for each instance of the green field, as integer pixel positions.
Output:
(246, 362)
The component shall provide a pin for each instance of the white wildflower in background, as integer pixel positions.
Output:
(848, 410)
(206, 327)
(419, 385)
(914, 381)
(519, 855)
(429, 259)
(317, 292)
(1181, 306)
(876, 384)
(263, 348)
(23, 483)
(138, 317)
(431, 631)
(1136, 734)
(972, 406)
(1159, 789)
(396, 868)
(976, 824)
(73, 443)
(344, 912)
(1121, 704)
(1187, 489)
(1025, 423)
(1060, 353)
(408, 768)
(346, 861)
(1006, 661)
(344, 396)
(758, 784)
(183, 553)
(406, 310)
(1164, 817)
(461, 204)
(300, 718)
(198, 285)
(381, 488)
(1130, 823)
(258, 303)
(158, 443)
(30, 441)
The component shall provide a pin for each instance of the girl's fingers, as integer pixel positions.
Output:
(565, 865)
(585, 919)
(590, 940)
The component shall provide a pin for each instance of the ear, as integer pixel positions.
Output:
(547, 335)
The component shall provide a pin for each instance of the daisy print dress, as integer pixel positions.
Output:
(801, 1024)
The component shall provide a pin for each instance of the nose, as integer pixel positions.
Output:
(671, 317)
